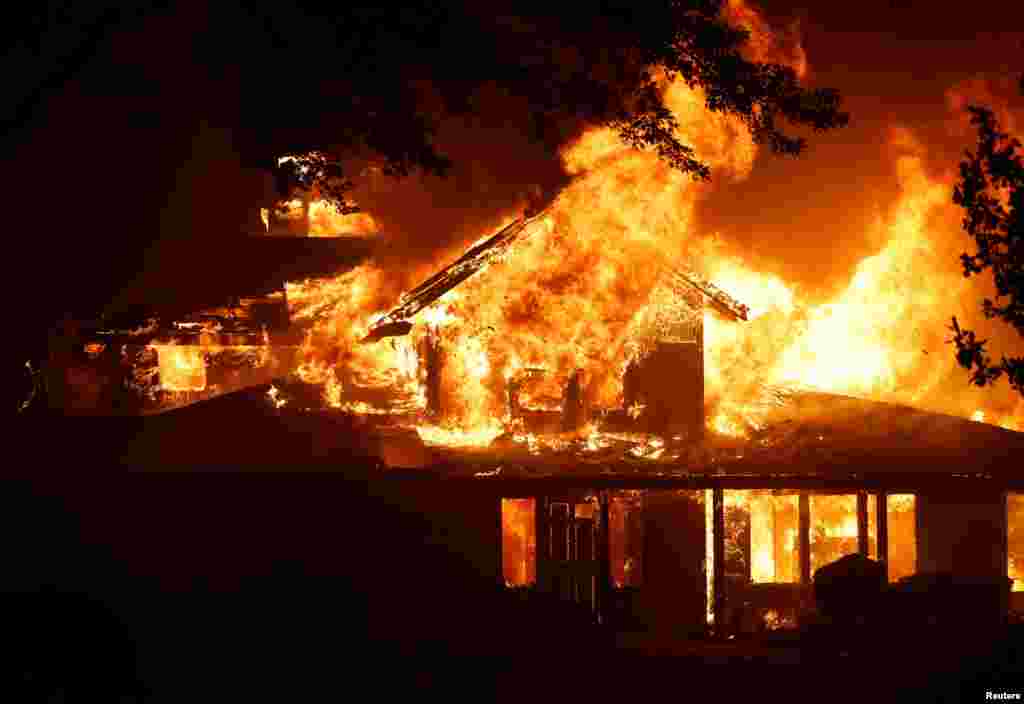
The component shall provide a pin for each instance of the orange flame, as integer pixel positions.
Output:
(576, 293)
(182, 367)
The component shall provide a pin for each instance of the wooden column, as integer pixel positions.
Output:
(501, 544)
(862, 523)
(1004, 520)
(432, 356)
(805, 538)
(572, 403)
(543, 550)
(881, 510)
(718, 537)
(604, 556)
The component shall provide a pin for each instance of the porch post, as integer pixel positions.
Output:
(805, 538)
(718, 567)
(604, 556)
(881, 510)
(543, 549)
(862, 523)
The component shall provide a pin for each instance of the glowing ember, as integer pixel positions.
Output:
(274, 395)
(455, 437)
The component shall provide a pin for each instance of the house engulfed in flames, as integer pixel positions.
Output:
(635, 512)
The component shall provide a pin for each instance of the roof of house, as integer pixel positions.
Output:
(811, 439)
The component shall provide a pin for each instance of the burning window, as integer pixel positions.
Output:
(93, 350)
(761, 536)
(519, 542)
(625, 515)
(182, 367)
(1015, 540)
(900, 509)
(833, 528)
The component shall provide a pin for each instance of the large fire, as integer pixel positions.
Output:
(572, 294)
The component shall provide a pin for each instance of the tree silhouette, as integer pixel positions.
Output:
(591, 65)
(991, 191)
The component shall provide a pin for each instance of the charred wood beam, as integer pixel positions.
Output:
(543, 549)
(499, 537)
(862, 523)
(717, 298)
(433, 357)
(604, 594)
(882, 532)
(473, 261)
(805, 538)
(718, 606)
(572, 404)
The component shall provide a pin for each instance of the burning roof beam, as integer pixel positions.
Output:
(719, 299)
(474, 260)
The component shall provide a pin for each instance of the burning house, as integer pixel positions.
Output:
(592, 402)
(643, 513)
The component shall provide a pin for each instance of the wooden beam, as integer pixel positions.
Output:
(572, 403)
(718, 537)
(501, 543)
(882, 501)
(475, 259)
(805, 538)
(862, 523)
(543, 553)
(604, 590)
(1005, 527)
(433, 357)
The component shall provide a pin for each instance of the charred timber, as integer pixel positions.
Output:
(717, 298)
(432, 353)
(572, 404)
(396, 329)
(473, 261)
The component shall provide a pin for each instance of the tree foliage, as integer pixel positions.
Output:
(586, 65)
(991, 192)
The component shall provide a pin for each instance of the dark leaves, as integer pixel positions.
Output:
(991, 192)
(593, 66)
